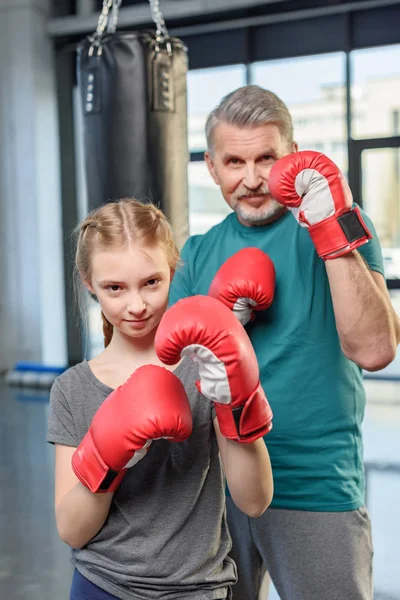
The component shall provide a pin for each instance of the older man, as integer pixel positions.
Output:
(330, 318)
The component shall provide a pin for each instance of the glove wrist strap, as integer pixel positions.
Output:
(91, 470)
(245, 423)
(339, 235)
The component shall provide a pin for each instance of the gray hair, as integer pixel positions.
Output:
(248, 106)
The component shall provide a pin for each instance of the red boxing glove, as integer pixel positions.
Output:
(315, 191)
(245, 283)
(151, 404)
(204, 329)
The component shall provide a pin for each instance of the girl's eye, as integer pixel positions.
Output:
(152, 282)
(114, 288)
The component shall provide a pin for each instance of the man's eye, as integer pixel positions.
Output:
(234, 161)
(268, 157)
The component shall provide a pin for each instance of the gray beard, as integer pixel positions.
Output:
(256, 216)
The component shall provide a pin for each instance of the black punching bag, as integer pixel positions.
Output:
(133, 96)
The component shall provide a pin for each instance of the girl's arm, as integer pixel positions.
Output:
(248, 473)
(79, 513)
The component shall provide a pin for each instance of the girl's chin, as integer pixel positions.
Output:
(139, 329)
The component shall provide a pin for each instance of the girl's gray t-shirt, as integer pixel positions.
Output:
(166, 535)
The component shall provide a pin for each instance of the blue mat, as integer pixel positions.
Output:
(33, 375)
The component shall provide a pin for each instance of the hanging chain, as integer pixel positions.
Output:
(162, 35)
(95, 39)
(112, 23)
(105, 20)
(158, 19)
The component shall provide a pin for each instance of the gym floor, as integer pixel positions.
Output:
(34, 563)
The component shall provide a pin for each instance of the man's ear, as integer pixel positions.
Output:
(211, 167)
(294, 147)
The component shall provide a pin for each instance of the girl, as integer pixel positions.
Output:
(160, 531)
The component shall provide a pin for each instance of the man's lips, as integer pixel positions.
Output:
(255, 200)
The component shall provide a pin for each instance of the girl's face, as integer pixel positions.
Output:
(132, 287)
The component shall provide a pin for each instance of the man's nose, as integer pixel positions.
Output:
(252, 179)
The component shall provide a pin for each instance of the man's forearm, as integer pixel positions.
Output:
(367, 325)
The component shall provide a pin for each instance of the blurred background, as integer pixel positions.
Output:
(335, 63)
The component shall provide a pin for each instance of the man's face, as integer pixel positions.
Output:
(240, 164)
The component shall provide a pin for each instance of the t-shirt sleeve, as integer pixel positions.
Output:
(371, 251)
(61, 426)
(183, 282)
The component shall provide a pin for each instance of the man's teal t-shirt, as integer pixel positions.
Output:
(315, 392)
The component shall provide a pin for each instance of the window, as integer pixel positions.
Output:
(381, 200)
(375, 92)
(206, 204)
(313, 88)
(312, 145)
(206, 88)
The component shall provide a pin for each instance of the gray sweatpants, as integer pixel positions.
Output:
(309, 555)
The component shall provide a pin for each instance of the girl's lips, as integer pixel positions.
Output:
(137, 322)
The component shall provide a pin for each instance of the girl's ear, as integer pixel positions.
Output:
(89, 287)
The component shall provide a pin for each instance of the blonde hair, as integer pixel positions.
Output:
(113, 226)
